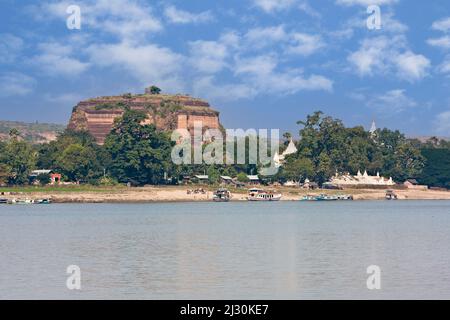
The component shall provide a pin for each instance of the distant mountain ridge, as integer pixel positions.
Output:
(32, 132)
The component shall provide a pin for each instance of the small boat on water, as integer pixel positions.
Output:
(391, 195)
(21, 201)
(262, 195)
(309, 198)
(324, 197)
(221, 195)
(42, 201)
(345, 197)
(28, 201)
(3, 201)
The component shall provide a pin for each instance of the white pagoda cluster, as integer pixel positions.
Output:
(278, 159)
(361, 179)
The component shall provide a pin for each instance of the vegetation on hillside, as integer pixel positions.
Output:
(139, 154)
(327, 146)
(31, 132)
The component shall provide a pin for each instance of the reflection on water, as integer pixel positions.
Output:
(290, 250)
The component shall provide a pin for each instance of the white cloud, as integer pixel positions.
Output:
(16, 84)
(442, 42)
(178, 16)
(261, 37)
(366, 3)
(293, 42)
(305, 44)
(205, 86)
(382, 55)
(442, 25)
(394, 101)
(259, 75)
(442, 123)
(254, 74)
(412, 66)
(148, 63)
(306, 8)
(125, 19)
(274, 5)
(271, 6)
(118, 39)
(445, 66)
(64, 98)
(259, 65)
(261, 72)
(10, 47)
(370, 56)
(389, 24)
(208, 56)
(56, 60)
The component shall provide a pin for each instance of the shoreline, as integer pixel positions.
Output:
(177, 194)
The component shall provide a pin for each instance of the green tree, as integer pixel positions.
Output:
(18, 159)
(14, 133)
(79, 163)
(139, 153)
(242, 177)
(436, 172)
(5, 173)
(213, 174)
(61, 155)
(332, 147)
(297, 169)
(155, 90)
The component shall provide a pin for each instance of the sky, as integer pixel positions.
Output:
(261, 63)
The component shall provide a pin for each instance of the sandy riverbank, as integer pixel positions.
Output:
(179, 194)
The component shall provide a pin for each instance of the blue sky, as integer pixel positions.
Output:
(261, 63)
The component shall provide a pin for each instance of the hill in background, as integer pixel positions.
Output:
(32, 132)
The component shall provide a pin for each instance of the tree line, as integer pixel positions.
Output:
(140, 154)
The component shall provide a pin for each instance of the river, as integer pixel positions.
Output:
(285, 250)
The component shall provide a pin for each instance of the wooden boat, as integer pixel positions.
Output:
(221, 195)
(309, 198)
(261, 195)
(42, 201)
(391, 195)
(324, 197)
(345, 197)
(21, 201)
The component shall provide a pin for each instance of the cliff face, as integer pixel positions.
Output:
(167, 112)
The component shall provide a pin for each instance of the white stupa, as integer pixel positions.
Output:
(278, 159)
(373, 128)
(361, 180)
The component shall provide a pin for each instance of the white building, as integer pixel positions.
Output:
(373, 128)
(278, 159)
(361, 180)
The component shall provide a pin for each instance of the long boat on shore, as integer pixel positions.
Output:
(26, 201)
(324, 197)
(221, 195)
(256, 194)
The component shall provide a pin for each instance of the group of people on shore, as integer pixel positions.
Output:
(196, 191)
